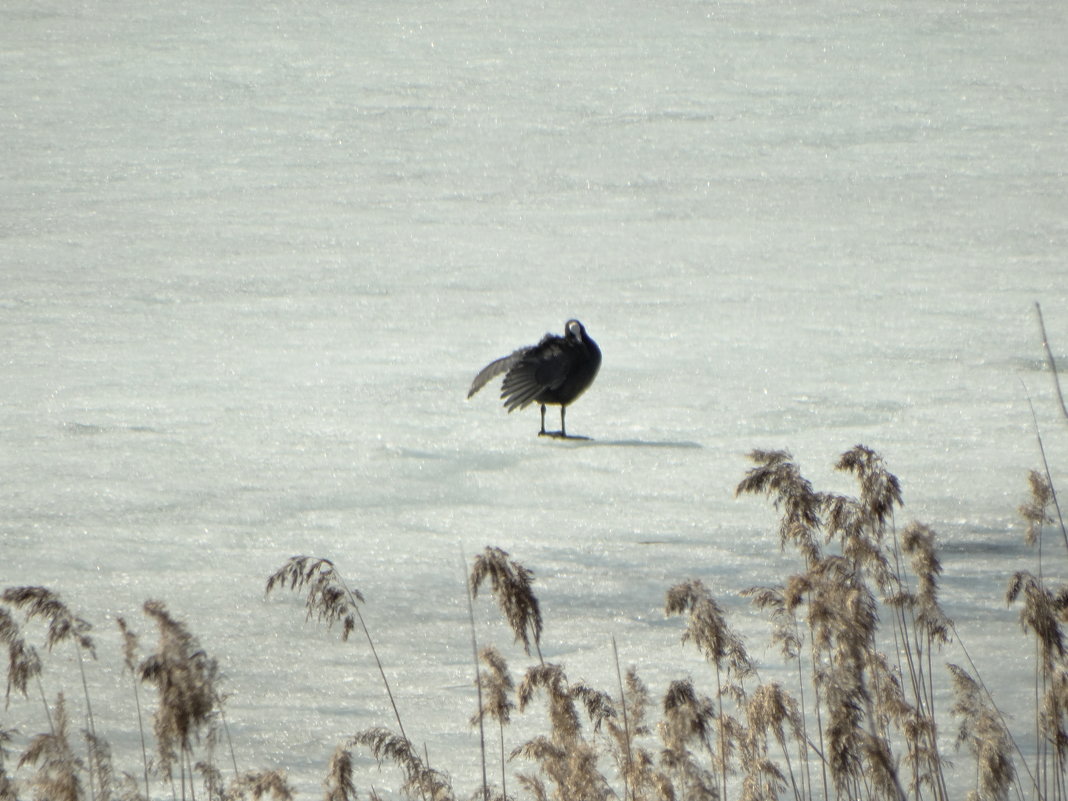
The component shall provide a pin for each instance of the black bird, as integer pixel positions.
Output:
(556, 370)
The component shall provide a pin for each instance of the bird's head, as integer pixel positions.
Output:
(573, 330)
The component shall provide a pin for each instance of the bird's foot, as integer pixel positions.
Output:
(560, 435)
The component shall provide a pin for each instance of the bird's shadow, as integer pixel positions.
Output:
(581, 441)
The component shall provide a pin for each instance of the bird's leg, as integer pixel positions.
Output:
(542, 432)
(563, 430)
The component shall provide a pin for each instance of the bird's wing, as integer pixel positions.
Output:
(545, 366)
(495, 368)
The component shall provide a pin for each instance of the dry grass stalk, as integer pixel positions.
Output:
(479, 718)
(565, 757)
(7, 784)
(622, 735)
(63, 625)
(330, 598)
(55, 777)
(497, 688)
(186, 679)
(23, 663)
(643, 781)
(776, 476)
(770, 710)
(100, 766)
(129, 653)
(430, 784)
(687, 722)
(511, 584)
(1051, 361)
(859, 706)
(1037, 510)
(982, 731)
(339, 784)
(261, 785)
(707, 628)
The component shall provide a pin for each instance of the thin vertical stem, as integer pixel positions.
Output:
(1051, 361)
(478, 682)
(626, 725)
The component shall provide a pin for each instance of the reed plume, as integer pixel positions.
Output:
(565, 757)
(129, 653)
(880, 490)
(707, 628)
(23, 663)
(331, 599)
(64, 626)
(261, 785)
(496, 703)
(635, 763)
(328, 597)
(772, 711)
(1037, 510)
(186, 680)
(854, 688)
(339, 784)
(982, 731)
(129, 790)
(777, 477)
(1041, 613)
(511, 584)
(687, 722)
(384, 745)
(55, 777)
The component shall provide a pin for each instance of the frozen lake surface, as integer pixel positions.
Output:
(252, 255)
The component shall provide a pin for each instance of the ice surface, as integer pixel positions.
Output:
(254, 252)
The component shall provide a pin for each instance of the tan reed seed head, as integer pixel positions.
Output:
(981, 729)
(328, 597)
(23, 662)
(339, 778)
(63, 625)
(512, 586)
(186, 679)
(419, 779)
(707, 627)
(56, 768)
(1037, 510)
(497, 687)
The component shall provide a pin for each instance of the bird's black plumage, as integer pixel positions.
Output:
(555, 371)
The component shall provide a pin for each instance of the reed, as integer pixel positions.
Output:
(330, 599)
(495, 701)
(129, 653)
(339, 777)
(56, 768)
(512, 586)
(853, 711)
(64, 626)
